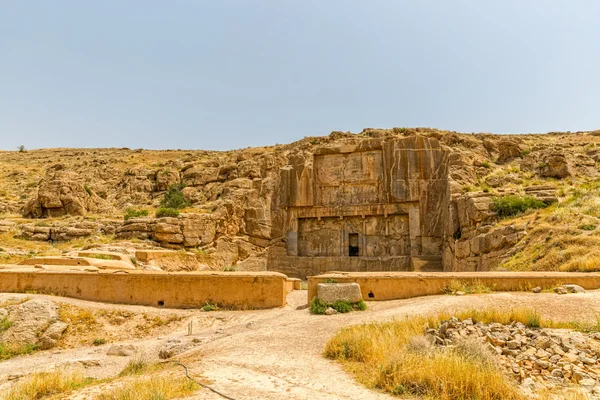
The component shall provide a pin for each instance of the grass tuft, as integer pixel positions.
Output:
(5, 324)
(10, 351)
(154, 388)
(138, 366)
(467, 286)
(46, 384)
(134, 213)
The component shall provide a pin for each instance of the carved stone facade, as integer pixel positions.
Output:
(378, 205)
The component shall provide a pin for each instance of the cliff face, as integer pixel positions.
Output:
(400, 199)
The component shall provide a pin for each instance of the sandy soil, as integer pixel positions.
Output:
(276, 354)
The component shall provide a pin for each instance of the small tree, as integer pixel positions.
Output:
(21, 149)
(174, 197)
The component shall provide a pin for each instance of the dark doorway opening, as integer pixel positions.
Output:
(353, 244)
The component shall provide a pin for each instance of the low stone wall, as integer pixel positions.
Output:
(237, 290)
(402, 285)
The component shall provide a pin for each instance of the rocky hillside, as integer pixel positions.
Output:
(54, 200)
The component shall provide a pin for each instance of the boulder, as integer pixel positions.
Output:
(508, 149)
(29, 320)
(560, 290)
(52, 334)
(164, 179)
(571, 288)
(121, 350)
(174, 347)
(555, 166)
(62, 193)
(330, 311)
(329, 293)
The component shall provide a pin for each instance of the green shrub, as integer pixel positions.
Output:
(99, 342)
(510, 205)
(133, 213)
(88, 189)
(317, 306)
(174, 197)
(5, 324)
(8, 351)
(167, 212)
(486, 164)
(210, 307)
(342, 306)
(361, 305)
(587, 227)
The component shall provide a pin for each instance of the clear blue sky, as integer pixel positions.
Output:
(229, 74)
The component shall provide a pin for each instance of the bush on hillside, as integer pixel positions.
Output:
(507, 206)
(174, 198)
(166, 212)
(133, 213)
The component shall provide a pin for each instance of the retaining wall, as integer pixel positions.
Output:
(237, 290)
(402, 285)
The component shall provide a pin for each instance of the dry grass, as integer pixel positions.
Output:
(14, 302)
(471, 286)
(153, 388)
(564, 237)
(44, 385)
(384, 356)
(87, 325)
(79, 319)
(10, 351)
(157, 321)
(397, 358)
(139, 365)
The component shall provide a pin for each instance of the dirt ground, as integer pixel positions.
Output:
(275, 354)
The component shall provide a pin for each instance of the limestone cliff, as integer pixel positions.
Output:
(399, 199)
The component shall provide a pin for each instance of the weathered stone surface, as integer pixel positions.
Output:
(329, 293)
(62, 193)
(121, 350)
(571, 288)
(508, 149)
(198, 229)
(52, 334)
(29, 320)
(6, 226)
(174, 347)
(555, 166)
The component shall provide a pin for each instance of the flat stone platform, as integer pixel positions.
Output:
(236, 290)
(402, 285)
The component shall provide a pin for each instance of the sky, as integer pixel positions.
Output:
(230, 74)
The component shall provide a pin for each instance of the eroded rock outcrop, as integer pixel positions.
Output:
(60, 193)
(31, 323)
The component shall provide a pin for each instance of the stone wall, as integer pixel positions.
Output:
(403, 285)
(175, 290)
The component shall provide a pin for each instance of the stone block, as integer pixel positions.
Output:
(329, 293)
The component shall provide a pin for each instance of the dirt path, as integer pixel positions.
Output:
(276, 354)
